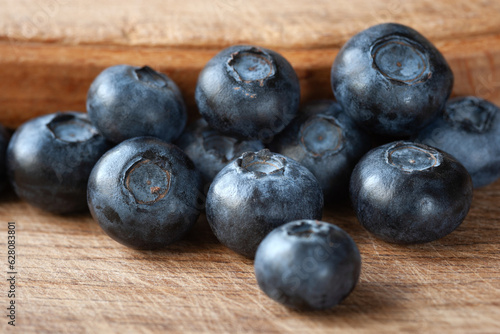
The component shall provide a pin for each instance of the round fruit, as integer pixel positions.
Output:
(248, 92)
(405, 192)
(391, 80)
(126, 101)
(470, 131)
(145, 193)
(255, 194)
(308, 264)
(49, 160)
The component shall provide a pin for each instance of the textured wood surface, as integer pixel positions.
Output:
(74, 279)
(198, 23)
(51, 50)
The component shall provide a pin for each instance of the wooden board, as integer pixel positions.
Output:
(73, 278)
(52, 50)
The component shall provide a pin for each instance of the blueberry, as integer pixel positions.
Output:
(49, 160)
(210, 150)
(248, 92)
(470, 131)
(4, 141)
(308, 264)
(145, 193)
(406, 192)
(326, 141)
(391, 80)
(126, 101)
(256, 193)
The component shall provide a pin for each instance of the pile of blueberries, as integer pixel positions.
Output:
(270, 167)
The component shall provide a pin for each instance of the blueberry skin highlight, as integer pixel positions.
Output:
(256, 193)
(391, 80)
(405, 192)
(127, 101)
(144, 193)
(210, 150)
(248, 92)
(307, 264)
(326, 141)
(470, 131)
(49, 160)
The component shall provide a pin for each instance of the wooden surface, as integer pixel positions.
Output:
(51, 50)
(74, 279)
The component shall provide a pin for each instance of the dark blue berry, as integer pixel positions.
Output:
(49, 160)
(326, 141)
(470, 131)
(127, 101)
(391, 80)
(248, 92)
(145, 193)
(406, 192)
(257, 193)
(210, 150)
(308, 264)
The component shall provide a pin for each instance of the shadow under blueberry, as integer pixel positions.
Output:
(199, 239)
(7, 195)
(366, 298)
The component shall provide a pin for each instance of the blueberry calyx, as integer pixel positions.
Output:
(261, 163)
(222, 147)
(470, 114)
(400, 59)
(147, 181)
(306, 228)
(251, 65)
(321, 134)
(410, 157)
(150, 77)
(71, 129)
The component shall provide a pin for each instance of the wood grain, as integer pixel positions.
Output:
(282, 24)
(73, 278)
(50, 52)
